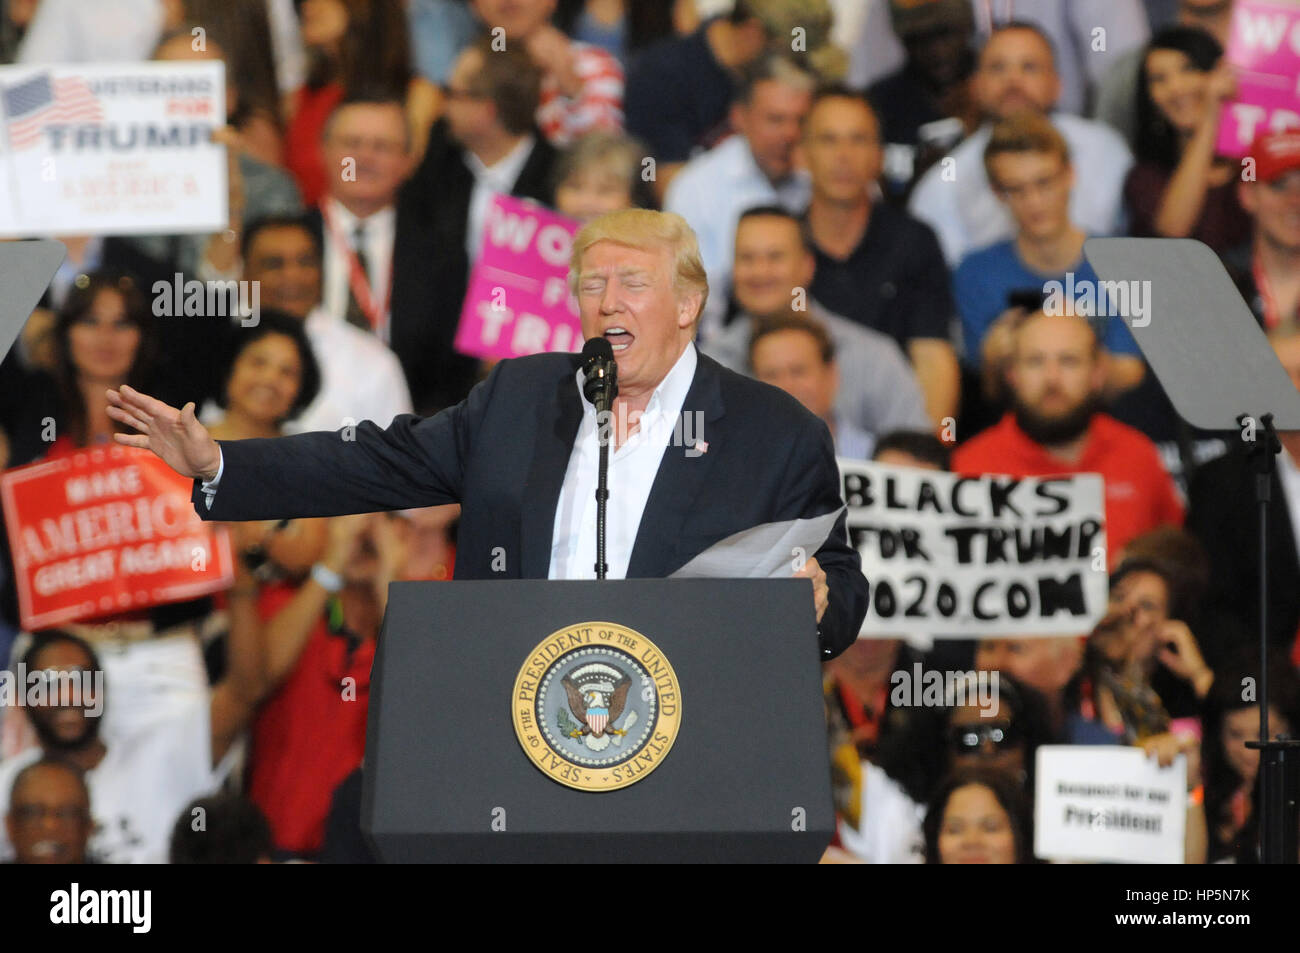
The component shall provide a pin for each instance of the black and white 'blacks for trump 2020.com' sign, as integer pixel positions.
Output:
(983, 556)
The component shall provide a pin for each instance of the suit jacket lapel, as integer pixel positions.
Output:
(534, 181)
(556, 433)
(680, 477)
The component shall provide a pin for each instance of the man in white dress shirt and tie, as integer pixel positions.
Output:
(699, 452)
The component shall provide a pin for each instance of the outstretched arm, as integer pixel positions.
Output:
(413, 463)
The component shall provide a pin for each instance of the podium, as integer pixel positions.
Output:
(643, 720)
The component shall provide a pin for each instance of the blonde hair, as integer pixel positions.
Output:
(646, 230)
(611, 154)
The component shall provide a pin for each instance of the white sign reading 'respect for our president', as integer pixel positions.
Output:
(1108, 803)
(982, 557)
(112, 149)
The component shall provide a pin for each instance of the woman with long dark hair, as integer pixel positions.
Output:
(352, 45)
(1181, 187)
(1002, 733)
(103, 338)
(1230, 718)
(253, 104)
(979, 815)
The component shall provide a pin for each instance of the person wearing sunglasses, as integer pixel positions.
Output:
(1001, 732)
(1003, 735)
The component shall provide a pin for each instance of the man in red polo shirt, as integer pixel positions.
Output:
(1055, 378)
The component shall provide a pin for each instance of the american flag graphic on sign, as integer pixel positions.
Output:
(34, 103)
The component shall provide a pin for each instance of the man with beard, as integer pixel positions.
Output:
(1055, 378)
(144, 769)
(1017, 73)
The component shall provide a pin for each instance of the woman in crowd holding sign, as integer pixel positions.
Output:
(123, 540)
(1148, 676)
(1180, 187)
(962, 723)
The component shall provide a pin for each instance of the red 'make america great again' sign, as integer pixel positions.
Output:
(107, 530)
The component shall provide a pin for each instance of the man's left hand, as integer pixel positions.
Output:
(821, 591)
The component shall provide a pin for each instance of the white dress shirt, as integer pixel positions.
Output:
(501, 177)
(711, 192)
(360, 378)
(875, 50)
(632, 471)
(158, 738)
(380, 232)
(966, 215)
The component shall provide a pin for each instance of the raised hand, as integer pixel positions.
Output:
(1182, 656)
(176, 436)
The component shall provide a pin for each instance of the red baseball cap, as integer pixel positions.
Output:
(1276, 154)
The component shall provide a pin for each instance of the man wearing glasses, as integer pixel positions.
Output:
(49, 814)
(140, 772)
(1028, 165)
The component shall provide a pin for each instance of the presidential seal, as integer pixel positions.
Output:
(596, 706)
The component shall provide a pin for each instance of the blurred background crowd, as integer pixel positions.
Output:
(879, 203)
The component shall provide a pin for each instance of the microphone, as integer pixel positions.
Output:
(600, 387)
(600, 374)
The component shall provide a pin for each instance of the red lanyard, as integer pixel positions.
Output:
(1272, 316)
(358, 280)
(863, 720)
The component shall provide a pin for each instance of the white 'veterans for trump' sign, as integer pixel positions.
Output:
(1108, 803)
(112, 149)
(989, 556)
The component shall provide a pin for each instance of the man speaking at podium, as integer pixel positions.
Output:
(696, 452)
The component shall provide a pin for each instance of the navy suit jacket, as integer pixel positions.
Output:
(502, 454)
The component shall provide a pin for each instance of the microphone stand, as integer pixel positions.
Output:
(1279, 759)
(602, 493)
(602, 397)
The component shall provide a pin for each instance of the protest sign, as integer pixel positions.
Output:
(1264, 46)
(518, 302)
(112, 149)
(107, 530)
(1108, 803)
(989, 556)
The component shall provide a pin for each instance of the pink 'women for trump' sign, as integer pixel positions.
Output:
(518, 302)
(1264, 46)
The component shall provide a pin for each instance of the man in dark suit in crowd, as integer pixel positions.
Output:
(379, 267)
(699, 452)
(486, 143)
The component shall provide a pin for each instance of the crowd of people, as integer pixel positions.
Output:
(882, 191)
